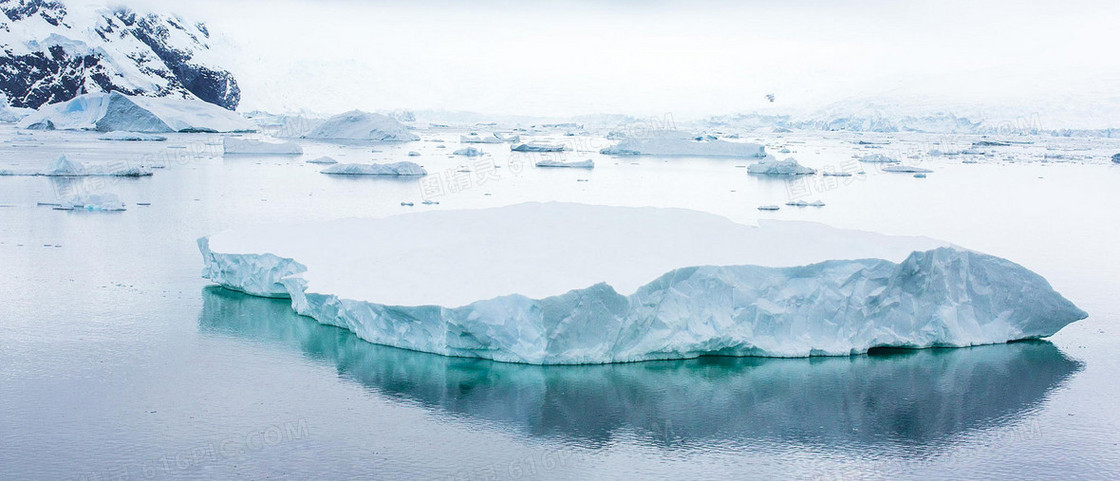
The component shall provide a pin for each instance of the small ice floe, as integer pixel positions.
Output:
(779, 167)
(970, 161)
(877, 159)
(873, 142)
(585, 164)
(123, 136)
(474, 138)
(805, 203)
(396, 168)
(1116, 158)
(324, 160)
(407, 204)
(836, 174)
(430, 202)
(535, 147)
(236, 146)
(768, 207)
(414, 154)
(919, 175)
(468, 152)
(991, 143)
(906, 169)
(102, 202)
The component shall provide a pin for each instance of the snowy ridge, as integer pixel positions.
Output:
(946, 296)
(53, 51)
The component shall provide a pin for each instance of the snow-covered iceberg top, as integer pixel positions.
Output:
(115, 111)
(236, 146)
(396, 168)
(567, 283)
(358, 125)
(468, 152)
(772, 166)
(676, 143)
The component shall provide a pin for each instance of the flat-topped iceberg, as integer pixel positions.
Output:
(106, 112)
(906, 169)
(396, 168)
(236, 146)
(358, 125)
(568, 284)
(779, 167)
(537, 147)
(676, 143)
(579, 164)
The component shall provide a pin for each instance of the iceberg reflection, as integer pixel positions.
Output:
(901, 398)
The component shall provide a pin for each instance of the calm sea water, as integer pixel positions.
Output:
(118, 362)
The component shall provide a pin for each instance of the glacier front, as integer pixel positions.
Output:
(559, 283)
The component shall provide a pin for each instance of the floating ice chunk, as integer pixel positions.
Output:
(919, 175)
(877, 159)
(236, 146)
(585, 164)
(63, 167)
(93, 202)
(413, 153)
(322, 160)
(511, 138)
(536, 147)
(805, 203)
(769, 207)
(676, 143)
(779, 167)
(1116, 158)
(473, 138)
(105, 112)
(906, 169)
(122, 136)
(358, 125)
(567, 284)
(468, 152)
(397, 168)
(836, 174)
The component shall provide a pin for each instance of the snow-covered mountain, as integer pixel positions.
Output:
(52, 52)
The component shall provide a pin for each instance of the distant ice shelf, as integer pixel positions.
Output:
(570, 284)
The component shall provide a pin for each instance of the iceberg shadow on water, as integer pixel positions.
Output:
(902, 400)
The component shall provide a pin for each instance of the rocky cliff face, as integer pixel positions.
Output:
(50, 52)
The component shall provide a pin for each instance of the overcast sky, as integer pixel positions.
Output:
(687, 58)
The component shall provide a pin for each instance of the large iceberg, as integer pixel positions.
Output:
(567, 284)
(676, 143)
(358, 125)
(115, 111)
(235, 146)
